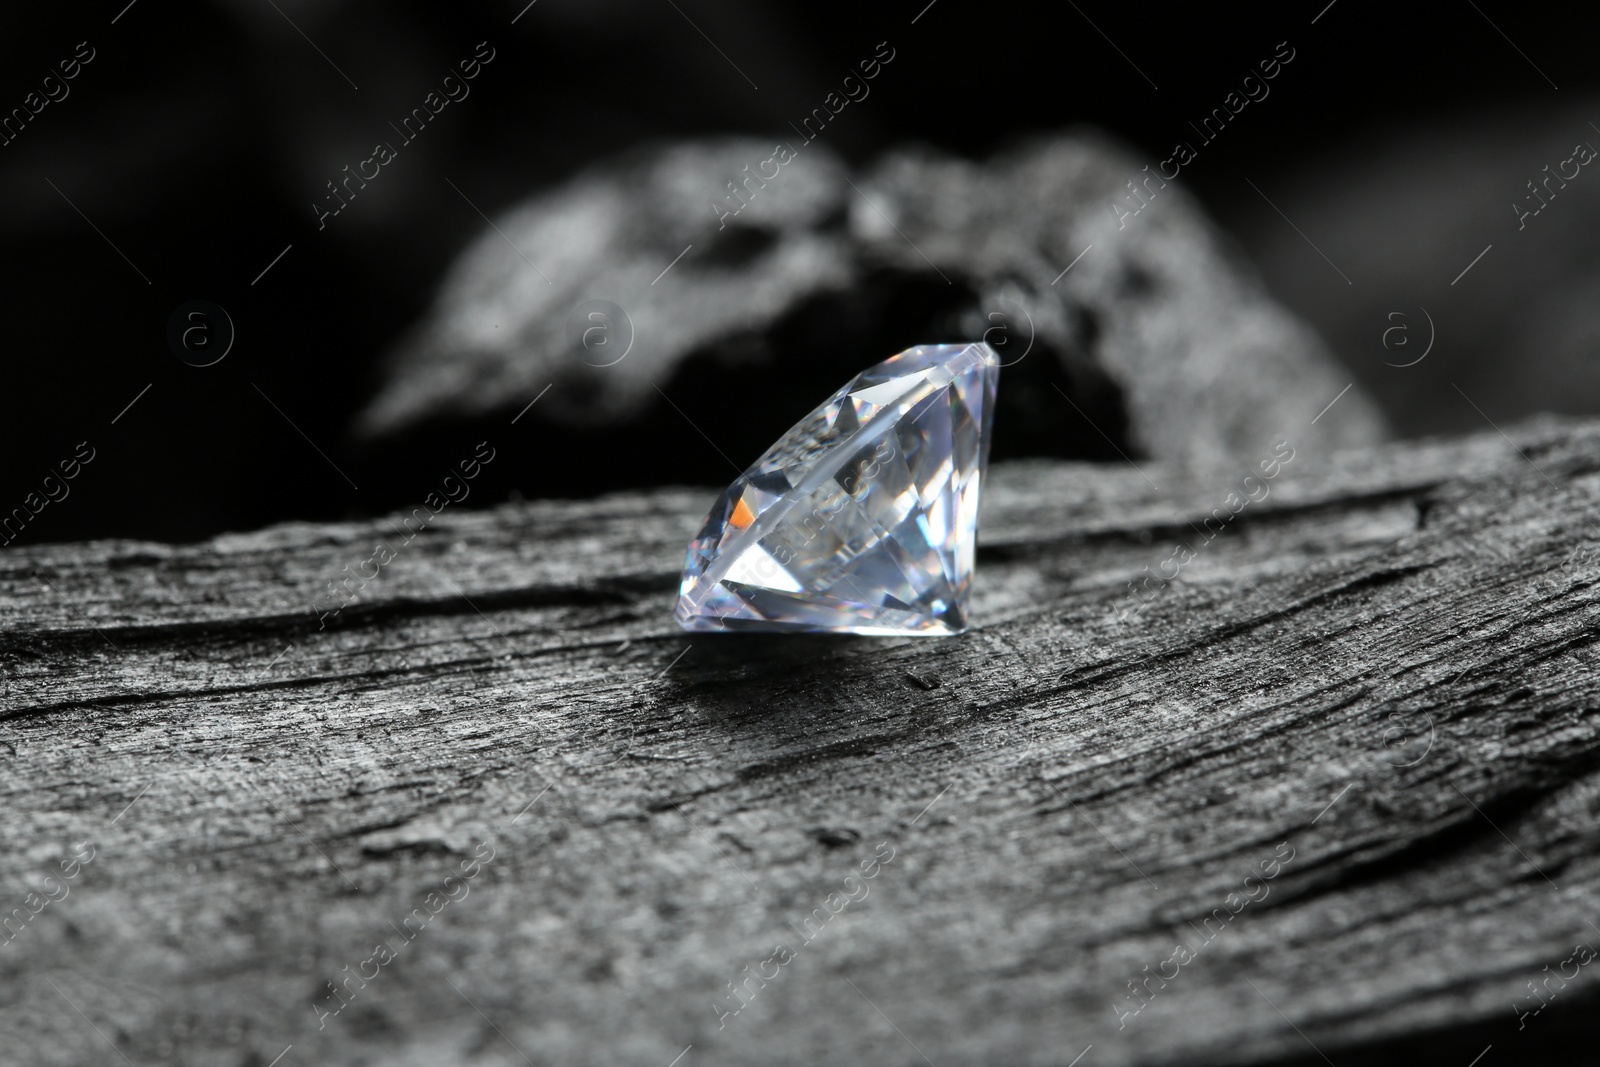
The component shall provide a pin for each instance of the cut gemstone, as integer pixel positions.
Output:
(861, 519)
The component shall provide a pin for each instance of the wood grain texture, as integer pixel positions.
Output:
(1386, 668)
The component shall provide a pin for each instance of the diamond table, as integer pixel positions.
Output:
(863, 517)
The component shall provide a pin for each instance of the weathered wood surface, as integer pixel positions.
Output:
(1387, 667)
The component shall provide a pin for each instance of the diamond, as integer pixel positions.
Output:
(861, 519)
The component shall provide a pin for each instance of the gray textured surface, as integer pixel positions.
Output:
(1386, 664)
(1160, 306)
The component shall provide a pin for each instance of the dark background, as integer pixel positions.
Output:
(201, 133)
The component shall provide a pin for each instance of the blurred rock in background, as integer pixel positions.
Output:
(659, 308)
(185, 162)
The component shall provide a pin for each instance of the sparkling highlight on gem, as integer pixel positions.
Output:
(863, 518)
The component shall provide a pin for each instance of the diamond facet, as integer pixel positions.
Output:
(863, 518)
